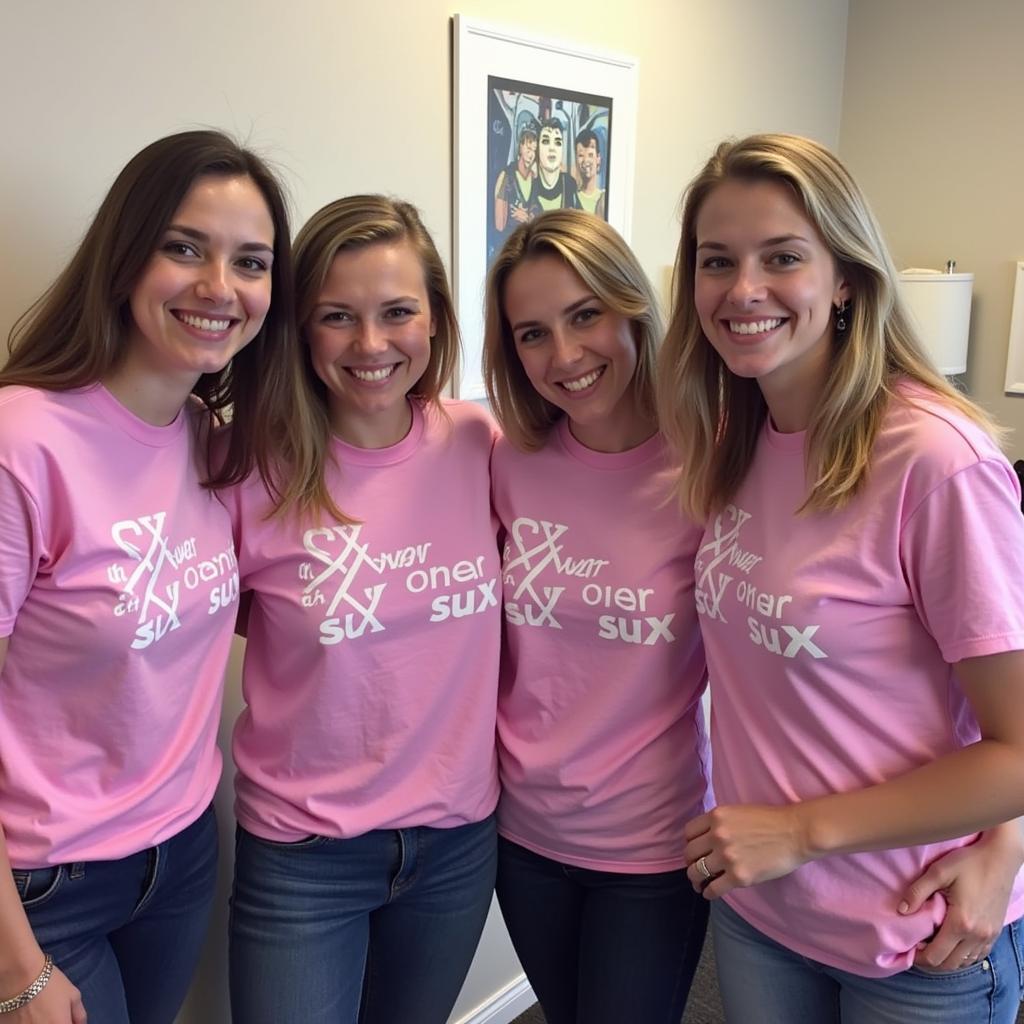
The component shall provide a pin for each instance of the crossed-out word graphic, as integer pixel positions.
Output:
(346, 564)
(158, 612)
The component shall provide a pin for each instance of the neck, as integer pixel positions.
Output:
(373, 430)
(550, 178)
(153, 397)
(616, 433)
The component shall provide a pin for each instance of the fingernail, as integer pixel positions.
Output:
(903, 907)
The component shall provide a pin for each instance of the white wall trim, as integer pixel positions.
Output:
(503, 1007)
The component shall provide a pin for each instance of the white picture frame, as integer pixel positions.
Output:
(1015, 349)
(575, 80)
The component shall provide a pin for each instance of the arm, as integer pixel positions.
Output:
(500, 204)
(962, 792)
(21, 959)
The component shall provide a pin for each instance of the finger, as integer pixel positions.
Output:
(696, 827)
(78, 1014)
(717, 886)
(924, 888)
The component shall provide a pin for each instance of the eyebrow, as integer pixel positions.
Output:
(568, 309)
(767, 243)
(201, 236)
(402, 300)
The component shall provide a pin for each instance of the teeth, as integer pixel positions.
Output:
(582, 383)
(203, 323)
(757, 327)
(372, 375)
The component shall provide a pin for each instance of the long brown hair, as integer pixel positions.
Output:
(74, 334)
(714, 418)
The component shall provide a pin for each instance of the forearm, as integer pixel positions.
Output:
(976, 788)
(21, 959)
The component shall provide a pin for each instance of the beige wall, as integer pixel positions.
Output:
(354, 95)
(933, 109)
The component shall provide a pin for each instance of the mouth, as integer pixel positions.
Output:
(582, 383)
(755, 327)
(205, 324)
(372, 375)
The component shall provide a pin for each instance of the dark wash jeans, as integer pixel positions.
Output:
(601, 947)
(128, 933)
(379, 929)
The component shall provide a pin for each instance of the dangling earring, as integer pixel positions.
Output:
(841, 312)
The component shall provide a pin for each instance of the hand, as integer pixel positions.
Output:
(742, 845)
(976, 882)
(59, 1003)
(520, 214)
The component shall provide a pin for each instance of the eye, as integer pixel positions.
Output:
(585, 315)
(252, 264)
(715, 263)
(399, 313)
(174, 247)
(785, 259)
(336, 316)
(530, 334)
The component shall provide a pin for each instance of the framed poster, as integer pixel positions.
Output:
(539, 125)
(1015, 350)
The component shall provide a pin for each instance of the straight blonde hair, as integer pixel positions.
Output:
(713, 418)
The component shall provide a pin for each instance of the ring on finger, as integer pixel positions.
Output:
(702, 867)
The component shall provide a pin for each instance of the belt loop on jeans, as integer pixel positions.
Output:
(76, 870)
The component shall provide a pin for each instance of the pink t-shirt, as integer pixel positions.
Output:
(371, 668)
(118, 590)
(830, 641)
(602, 746)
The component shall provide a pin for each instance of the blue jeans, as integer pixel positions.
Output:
(764, 981)
(378, 929)
(601, 947)
(128, 933)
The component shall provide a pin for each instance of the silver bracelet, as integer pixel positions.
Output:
(37, 986)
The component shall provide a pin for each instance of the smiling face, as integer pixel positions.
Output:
(765, 286)
(369, 340)
(205, 292)
(577, 352)
(527, 152)
(587, 161)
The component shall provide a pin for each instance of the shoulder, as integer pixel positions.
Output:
(469, 420)
(920, 427)
(32, 419)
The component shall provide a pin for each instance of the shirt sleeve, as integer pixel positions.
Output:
(962, 550)
(21, 548)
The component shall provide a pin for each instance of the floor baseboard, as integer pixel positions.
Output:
(515, 998)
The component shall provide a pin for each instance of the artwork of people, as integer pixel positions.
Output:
(547, 149)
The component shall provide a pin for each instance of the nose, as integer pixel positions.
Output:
(214, 283)
(567, 350)
(370, 338)
(748, 285)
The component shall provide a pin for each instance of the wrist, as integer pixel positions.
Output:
(813, 836)
(1007, 838)
(19, 970)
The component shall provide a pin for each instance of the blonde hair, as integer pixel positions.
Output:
(713, 418)
(603, 261)
(355, 222)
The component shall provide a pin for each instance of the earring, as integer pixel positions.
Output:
(841, 312)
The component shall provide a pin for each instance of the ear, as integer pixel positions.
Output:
(433, 326)
(842, 292)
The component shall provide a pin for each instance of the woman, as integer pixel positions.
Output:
(119, 588)
(859, 590)
(602, 746)
(367, 775)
